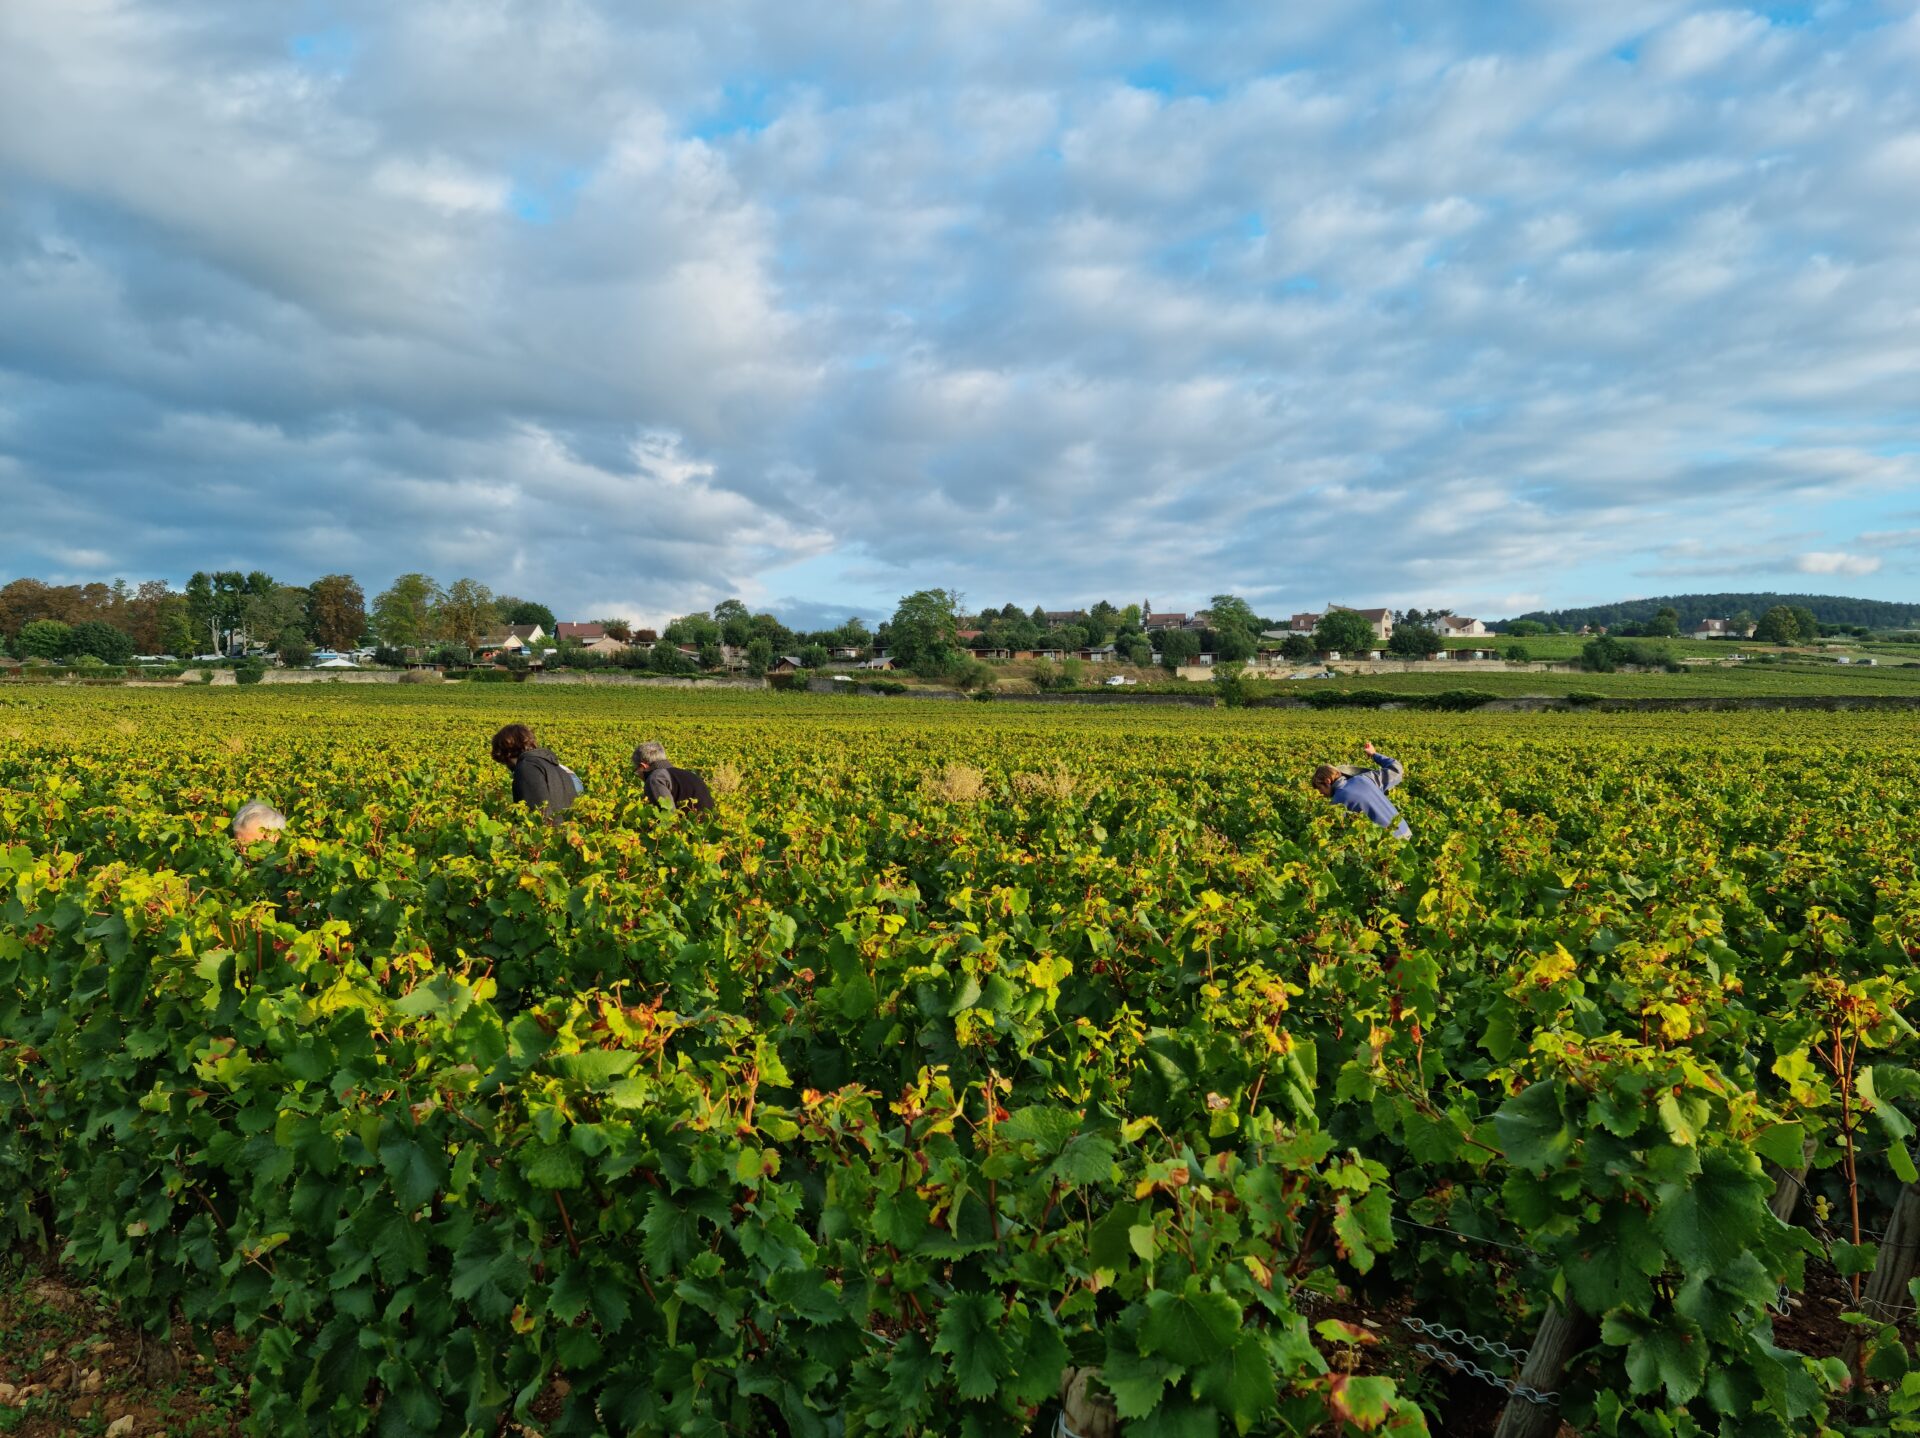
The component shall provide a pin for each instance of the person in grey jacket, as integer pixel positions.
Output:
(667, 786)
(539, 779)
(1365, 791)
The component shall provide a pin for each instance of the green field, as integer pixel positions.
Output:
(1733, 681)
(965, 1049)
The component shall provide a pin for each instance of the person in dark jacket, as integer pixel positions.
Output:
(539, 779)
(667, 786)
(1365, 791)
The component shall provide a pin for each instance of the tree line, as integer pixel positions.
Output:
(924, 633)
(228, 611)
(1827, 609)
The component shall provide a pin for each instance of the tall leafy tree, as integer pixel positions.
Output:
(101, 640)
(1778, 626)
(465, 613)
(403, 611)
(217, 603)
(1410, 641)
(1229, 611)
(1344, 631)
(44, 639)
(513, 610)
(336, 611)
(1179, 646)
(923, 632)
(275, 610)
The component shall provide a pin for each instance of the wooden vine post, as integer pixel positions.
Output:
(1886, 1295)
(1564, 1331)
(1789, 1184)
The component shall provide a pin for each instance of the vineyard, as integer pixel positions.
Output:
(967, 1048)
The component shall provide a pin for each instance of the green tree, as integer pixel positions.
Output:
(513, 610)
(1778, 626)
(1410, 641)
(1231, 612)
(759, 656)
(922, 634)
(274, 609)
(711, 657)
(1297, 647)
(403, 612)
(694, 629)
(336, 611)
(1234, 646)
(814, 656)
(1139, 650)
(1664, 625)
(217, 603)
(1523, 628)
(101, 640)
(1344, 631)
(1739, 622)
(1178, 646)
(176, 628)
(464, 614)
(1808, 626)
(294, 650)
(44, 639)
(1517, 653)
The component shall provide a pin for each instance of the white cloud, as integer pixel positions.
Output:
(1093, 298)
(1834, 561)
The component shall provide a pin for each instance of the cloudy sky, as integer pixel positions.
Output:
(819, 301)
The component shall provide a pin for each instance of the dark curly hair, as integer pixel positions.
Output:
(510, 743)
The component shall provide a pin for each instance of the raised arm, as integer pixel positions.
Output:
(1392, 771)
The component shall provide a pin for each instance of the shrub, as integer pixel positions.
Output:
(1517, 654)
(1453, 700)
(295, 651)
(1231, 685)
(250, 671)
(1351, 698)
(1053, 783)
(99, 640)
(958, 784)
(1582, 697)
(725, 778)
(973, 674)
(44, 639)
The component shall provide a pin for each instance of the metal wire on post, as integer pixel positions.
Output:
(1492, 1348)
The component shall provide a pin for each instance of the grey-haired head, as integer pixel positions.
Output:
(254, 821)
(650, 753)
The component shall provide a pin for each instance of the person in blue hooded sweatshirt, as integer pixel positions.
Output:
(1365, 791)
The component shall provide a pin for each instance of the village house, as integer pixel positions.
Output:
(1721, 629)
(1453, 626)
(567, 632)
(1380, 619)
(514, 639)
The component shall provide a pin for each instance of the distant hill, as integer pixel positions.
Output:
(1827, 608)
